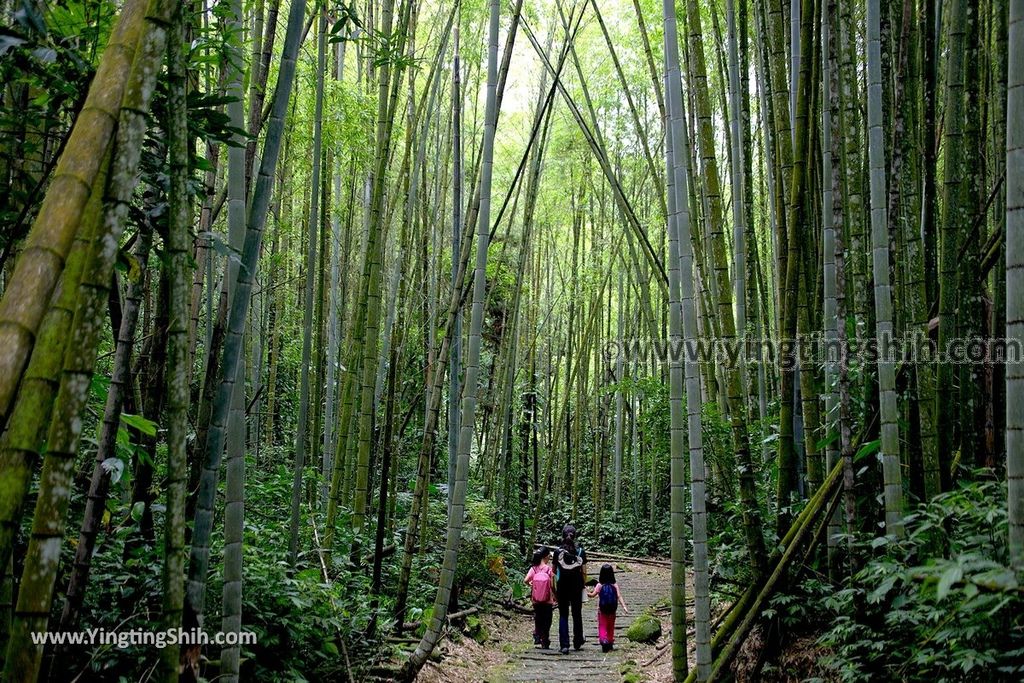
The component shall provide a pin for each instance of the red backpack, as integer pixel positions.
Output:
(541, 585)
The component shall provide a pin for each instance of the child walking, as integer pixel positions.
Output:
(541, 578)
(608, 600)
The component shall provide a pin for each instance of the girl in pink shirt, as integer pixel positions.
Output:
(541, 579)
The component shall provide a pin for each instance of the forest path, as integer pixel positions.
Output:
(508, 655)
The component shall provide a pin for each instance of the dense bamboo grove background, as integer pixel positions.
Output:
(304, 302)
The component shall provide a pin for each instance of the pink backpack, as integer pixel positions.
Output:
(541, 585)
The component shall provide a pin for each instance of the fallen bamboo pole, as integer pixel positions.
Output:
(638, 560)
(738, 614)
(798, 531)
(464, 613)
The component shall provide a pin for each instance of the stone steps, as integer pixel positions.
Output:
(640, 588)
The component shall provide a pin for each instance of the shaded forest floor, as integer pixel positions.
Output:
(507, 653)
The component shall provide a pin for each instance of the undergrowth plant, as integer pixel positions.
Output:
(941, 605)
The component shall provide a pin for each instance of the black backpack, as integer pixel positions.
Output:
(608, 599)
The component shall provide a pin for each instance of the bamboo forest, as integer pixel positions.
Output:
(369, 340)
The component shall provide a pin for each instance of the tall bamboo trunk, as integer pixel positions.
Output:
(387, 441)
(199, 557)
(20, 443)
(275, 312)
(117, 392)
(82, 164)
(955, 219)
(455, 354)
(1015, 279)
(335, 311)
(682, 330)
(796, 233)
(883, 294)
(417, 512)
(468, 418)
(921, 255)
(24, 655)
(737, 176)
(234, 478)
(619, 403)
(831, 215)
(179, 372)
(69, 220)
(307, 313)
(389, 86)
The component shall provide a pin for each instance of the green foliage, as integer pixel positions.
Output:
(139, 423)
(47, 59)
(730, 559)
(483, 550)
(500, 294)
(124, 594)
(795, 610)
(914, 613)
(301, 622)
(485, 565)
(719, 460)
(476, 629)
(654, 417)
(624, 533)
(346, 21)
(630, 672)
(299, 619)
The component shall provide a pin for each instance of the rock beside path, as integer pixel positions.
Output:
(645, 629)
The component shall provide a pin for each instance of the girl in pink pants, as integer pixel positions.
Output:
(609, 599)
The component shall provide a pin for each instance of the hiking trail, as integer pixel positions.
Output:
(509, 656)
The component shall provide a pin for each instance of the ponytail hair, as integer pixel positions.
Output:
(569, 538)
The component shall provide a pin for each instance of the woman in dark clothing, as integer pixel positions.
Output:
(570, 565)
